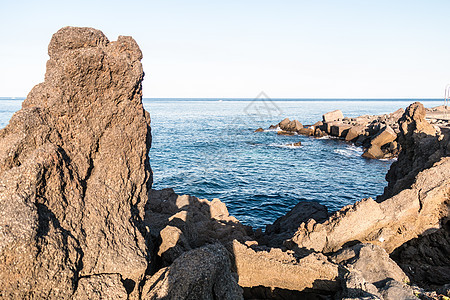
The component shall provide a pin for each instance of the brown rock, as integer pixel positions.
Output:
(327, 125)
(373, 263)
(340, 130)
(374, 152)
(74, 171)
(278, 269)
(306, 131)
(203, 273)
(99, 287)
(259, 130)
(421, 145)
(319, 133)
(334, 115)
(284, 124)
(285, 227)
(385, 136)
(388, 224)
(287, 125)
(282, 132)
(354, 132)
(426, 259)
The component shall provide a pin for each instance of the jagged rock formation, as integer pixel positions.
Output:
(423, 145)
(75, 174)
(388, 224)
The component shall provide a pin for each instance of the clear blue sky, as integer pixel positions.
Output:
(298, 49)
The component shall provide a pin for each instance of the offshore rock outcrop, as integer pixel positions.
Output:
(376, 134)
(75, 174)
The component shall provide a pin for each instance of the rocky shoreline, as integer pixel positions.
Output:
(79, 219)
(377, 134)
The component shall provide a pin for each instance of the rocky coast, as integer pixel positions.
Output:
(377, 134)
(79, 218)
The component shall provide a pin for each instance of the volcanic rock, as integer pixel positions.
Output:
(374, 152)
(388, 224)
(385, 136)
(202, 273)
(333, 116)
(75, 173)
(372, 262)
(354, 132)
(284, 125)
(340, 130)
(284, 227)
(278, 269)
(422, 146)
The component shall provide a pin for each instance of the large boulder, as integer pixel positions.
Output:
(202, 273)
(75, 173)
(278, 269)
(180, 223)
(385, 136)
(340, 130)
(372, 262)
(334, 115)
(284, 227)
(354, 132)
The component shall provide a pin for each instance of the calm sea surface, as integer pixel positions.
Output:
(207, 148)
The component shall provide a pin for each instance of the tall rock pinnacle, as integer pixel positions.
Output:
(75, 172)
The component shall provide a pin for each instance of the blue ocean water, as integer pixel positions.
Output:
(207, 148)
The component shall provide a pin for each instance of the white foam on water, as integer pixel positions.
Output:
(286, 146)
(350, 151)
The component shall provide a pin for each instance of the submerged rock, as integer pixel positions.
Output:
(75, 172)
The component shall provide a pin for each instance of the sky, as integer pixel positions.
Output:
(238, 48)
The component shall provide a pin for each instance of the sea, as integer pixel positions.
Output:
(208, 148)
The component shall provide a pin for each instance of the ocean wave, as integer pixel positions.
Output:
(273, 130)
(350, 151)
(287, 146)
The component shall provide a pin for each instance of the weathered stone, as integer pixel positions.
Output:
(334, 115)
(426, 259)
(373, 263)
(354, 132)
(306, 131)
(302, 212)
(388, 224)
(203, 273)
(75, 172)
(284, 123)
(374, 152)
(340, 130)
(259, 130)
(282, 132)
(385, 136)
(319, 133)
(99, 287)
(278, 269)
(421, 147)
(327, 125)
(394, 290)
